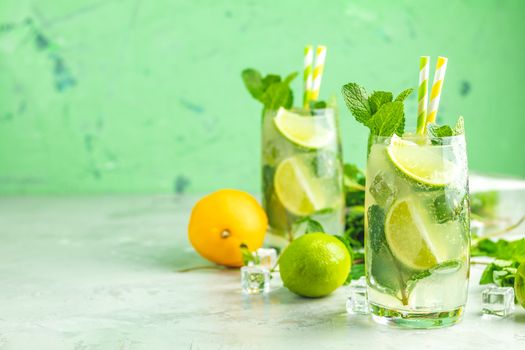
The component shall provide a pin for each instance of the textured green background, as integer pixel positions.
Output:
(145, 96)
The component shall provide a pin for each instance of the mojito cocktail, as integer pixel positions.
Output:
(417, 230)
(302, 171)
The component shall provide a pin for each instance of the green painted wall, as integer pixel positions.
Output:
(145, 96)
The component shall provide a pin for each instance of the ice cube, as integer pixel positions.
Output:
(267, 257)
(324, 164)
(448, 205)
(357, 302)
(255, 279)
(498, 301)
(383, 193)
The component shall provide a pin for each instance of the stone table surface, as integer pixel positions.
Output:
(102, 273)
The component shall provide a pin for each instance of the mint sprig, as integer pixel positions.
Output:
(383, 115)
(435, 130)
(272, 90)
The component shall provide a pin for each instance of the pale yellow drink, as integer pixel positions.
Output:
(302, 171)
(417, 230)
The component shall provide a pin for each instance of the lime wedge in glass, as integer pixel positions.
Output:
(408, 237)
(423, 163)
(307, 131)
(297, 186)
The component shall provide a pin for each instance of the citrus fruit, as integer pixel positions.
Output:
(297, 186)
(409, 239)
(314, 265)
(519, 284)
(306, 131)
(220, 222)
(423, 163)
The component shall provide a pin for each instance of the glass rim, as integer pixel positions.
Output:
(416, 137)
(303, 112)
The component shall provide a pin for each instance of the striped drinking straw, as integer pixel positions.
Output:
(422, 94)
(437, 86)
(318, 71)
(308, 74)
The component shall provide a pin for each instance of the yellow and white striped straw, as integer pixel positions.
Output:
(437, 86)
(308, 74)
(422, 94)
(318, 71)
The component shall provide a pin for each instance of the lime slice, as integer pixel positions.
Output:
(297, 186)
(409, 239)
(307, 131)
(422, 163)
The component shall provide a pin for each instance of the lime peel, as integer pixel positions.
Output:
(305, 131)
(421, 163)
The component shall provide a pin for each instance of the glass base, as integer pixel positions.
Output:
(422, 320)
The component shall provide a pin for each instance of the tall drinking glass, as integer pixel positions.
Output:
(302, 171)
(417, 232)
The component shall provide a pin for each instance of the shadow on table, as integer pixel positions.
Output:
(284, 296)
(519, 318)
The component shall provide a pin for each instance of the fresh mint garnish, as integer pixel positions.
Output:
(404, 94)
(249, 257)
(379, 112)
(272, 91)
(500, 272)
(388, 120)
(435, 130)
(500, 249)
(356, 98)
(306, 225)
(318, 104)
(377, 99)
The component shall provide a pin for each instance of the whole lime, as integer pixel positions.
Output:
(519, 284)
(314, 265)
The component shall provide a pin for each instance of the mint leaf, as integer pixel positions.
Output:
(318, 104)
(383, 116)
(401, 128)
(435, 130)
(353, 178)
(355, 226)
(307, 225)
(269, 80)
(387, 120)
(377, 99)
(500, 272)
(248, 256)
(446, 265)
(313, 226)
(277, 95)
(376, 227)
(254, 83)
(271, 90)
(356, 100)
(403, 95)
(290, 77)
(501, 249)
(459, 129)
(449, 266)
